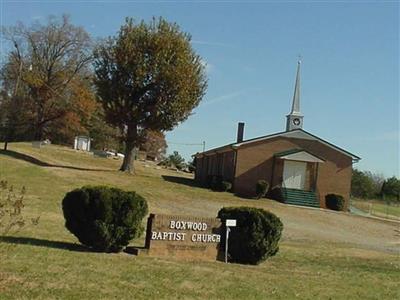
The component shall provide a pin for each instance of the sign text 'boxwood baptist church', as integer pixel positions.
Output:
(183, 236)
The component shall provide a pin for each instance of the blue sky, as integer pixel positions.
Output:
(349, 76)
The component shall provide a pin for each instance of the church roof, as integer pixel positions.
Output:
(296, 134)
(299, 155)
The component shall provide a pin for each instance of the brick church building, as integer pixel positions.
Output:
(301, 168)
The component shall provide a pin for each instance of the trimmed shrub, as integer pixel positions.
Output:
(276, 194)
(261, 188)
(334, 202)
(210, 181)
(214, 182)
(225, 186)
(103, 218)
(256, 235)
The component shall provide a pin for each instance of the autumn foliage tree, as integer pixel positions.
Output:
(103, 134)
(147, 77)
(154, 144)
(45, 64)
(78, 119)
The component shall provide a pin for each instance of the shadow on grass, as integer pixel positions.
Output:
(192, 183)
(43, 243)
(41, 163)
(181, 180)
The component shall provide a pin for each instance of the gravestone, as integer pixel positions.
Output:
(36, 144)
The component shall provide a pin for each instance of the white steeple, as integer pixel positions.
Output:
(294, 120)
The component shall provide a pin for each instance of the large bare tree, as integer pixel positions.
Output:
(44, 61)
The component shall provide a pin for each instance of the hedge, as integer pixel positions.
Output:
(104, 218)
(334, 202)
(261, 188)
(256, 236)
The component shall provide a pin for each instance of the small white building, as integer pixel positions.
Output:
(82, 143)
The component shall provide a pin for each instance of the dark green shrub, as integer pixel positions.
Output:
(214, 182)
(220, 185)
(276, 193)
(210, 181)
(261, 188)
(225, 186)
(104, 218)
(256, 236)
(335, 202)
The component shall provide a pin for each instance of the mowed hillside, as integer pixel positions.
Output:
(323, 254)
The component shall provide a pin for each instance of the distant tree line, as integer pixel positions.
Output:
(368, 185)
(124, 91)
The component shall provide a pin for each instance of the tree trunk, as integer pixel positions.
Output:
(39, 125)
(130, 142)
(39, 133)
(9, 133)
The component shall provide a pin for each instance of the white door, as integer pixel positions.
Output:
(294, 174)
(84, 145)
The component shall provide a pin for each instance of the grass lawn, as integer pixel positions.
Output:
(45, 261)
(378, 208)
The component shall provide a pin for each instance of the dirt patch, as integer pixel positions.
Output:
(8, 280)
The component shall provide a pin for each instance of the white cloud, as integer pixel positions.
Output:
(222, 98)
(231, 96)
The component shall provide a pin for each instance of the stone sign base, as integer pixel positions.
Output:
(184, 237)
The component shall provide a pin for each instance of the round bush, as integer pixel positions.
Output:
(276, 193)
(261, 188)
(225, 186)
(103, 218)
(256, 235)
(334, 202)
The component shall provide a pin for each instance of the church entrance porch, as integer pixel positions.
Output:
(297, 172)
(297, 169)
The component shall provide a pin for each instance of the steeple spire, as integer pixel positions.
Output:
(296, 95)
(294, 120)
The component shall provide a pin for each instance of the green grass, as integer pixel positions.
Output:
(297, 272)
(378, 208)
(44, 261)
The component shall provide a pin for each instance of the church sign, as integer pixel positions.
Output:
(183, 236)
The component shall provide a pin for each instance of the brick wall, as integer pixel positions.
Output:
(218, 164)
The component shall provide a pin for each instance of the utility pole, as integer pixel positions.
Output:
(204, 146)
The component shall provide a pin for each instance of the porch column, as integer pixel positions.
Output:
(316, 176)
